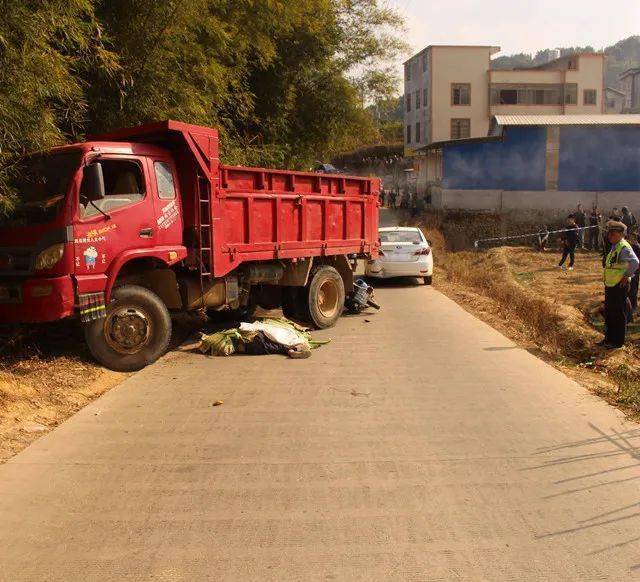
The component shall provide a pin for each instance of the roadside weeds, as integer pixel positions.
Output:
(41, 384)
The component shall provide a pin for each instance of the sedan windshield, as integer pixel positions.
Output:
(40, 184)
(400, 236)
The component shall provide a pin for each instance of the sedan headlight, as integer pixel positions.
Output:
(50, 257)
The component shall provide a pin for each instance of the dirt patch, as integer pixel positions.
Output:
(46, 375)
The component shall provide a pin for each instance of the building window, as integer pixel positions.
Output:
(424, 97)
(571, 94)
(418, 135)
(408, 134)
(424, 63)
(572, 65)
(460, 94)
(407, 98)
(418, 99)
(526, 94)
(611, 104)
(505, 97)
(407, 71)
(589, 97)
(460, 128)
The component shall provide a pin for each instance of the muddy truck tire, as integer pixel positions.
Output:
(135, 332)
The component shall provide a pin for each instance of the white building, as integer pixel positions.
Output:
(451, 92)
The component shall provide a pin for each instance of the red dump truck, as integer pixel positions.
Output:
(129, 226)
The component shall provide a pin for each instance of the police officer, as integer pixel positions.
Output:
(619, 266)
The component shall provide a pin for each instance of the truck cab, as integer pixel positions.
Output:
(65, 238)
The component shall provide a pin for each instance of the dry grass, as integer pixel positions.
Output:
(556, 325)
(45, 377)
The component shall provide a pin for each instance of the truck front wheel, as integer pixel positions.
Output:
(323, 298)
(135, 332)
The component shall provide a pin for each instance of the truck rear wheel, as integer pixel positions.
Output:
(135, 332)
(323, 299)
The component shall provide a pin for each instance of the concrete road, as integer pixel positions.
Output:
(421, 445)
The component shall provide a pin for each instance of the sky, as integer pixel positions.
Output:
(518, 25)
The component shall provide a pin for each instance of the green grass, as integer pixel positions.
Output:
(524, 277)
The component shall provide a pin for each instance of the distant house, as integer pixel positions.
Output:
(537, 162)
(451, 92)
(630, 80)
(614, 100)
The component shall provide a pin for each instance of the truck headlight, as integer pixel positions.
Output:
(50, 257)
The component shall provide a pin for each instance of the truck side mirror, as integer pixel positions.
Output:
(93, 182)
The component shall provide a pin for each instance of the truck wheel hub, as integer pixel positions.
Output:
(127, 330)
(328, 299)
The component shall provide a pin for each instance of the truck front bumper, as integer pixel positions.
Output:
(36, 300)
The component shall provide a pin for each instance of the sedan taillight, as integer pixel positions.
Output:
(426, 251)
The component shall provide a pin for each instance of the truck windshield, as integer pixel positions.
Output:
(40, 183)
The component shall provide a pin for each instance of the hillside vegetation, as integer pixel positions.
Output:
(620, 56)
(285, 82)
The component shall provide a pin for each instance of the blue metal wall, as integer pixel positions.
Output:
(599, 158)
(516, 163)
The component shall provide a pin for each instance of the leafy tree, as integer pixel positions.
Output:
(273, 75)
(45, 46)
(285, 82)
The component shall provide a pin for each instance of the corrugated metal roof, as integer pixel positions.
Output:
(613, 119)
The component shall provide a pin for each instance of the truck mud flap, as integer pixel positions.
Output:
(92, 307)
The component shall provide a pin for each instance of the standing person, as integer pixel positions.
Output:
(542, 239)
(392, 199)
(569, 243)
(620, 265)
(633, 284)
(383, 198)
(606, 245)
(629, 220)
(581, 221)
(593, 235)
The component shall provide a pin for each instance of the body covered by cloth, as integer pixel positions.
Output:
(260, 337)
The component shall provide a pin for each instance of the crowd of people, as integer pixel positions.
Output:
(616, 236)
(403, 200)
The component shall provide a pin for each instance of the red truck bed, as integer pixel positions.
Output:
(257, 214)
(265, 214)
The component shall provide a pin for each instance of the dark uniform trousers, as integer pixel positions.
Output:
(615, 319)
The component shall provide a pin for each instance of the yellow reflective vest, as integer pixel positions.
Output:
(614, 270)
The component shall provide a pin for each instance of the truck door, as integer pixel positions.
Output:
(164, 184)
(124, 220)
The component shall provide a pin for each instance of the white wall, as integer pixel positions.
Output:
(557, 203)
(460, 65)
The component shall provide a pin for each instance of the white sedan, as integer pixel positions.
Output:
(405, 252)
